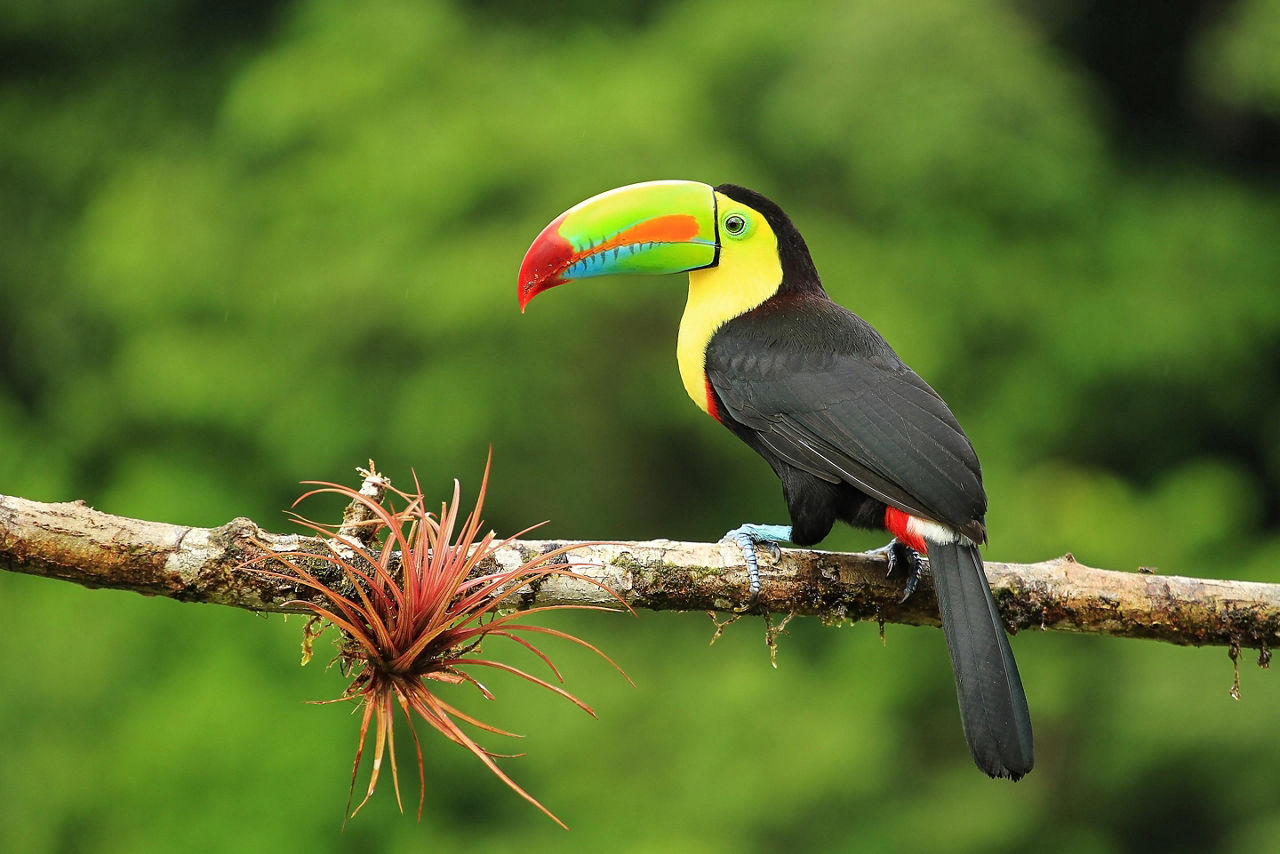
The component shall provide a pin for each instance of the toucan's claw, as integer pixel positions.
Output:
(748, 547)
(902, 556)
(748, 537)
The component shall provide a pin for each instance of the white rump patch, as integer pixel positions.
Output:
(932, 532)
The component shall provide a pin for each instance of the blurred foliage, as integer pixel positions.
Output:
(246, 244)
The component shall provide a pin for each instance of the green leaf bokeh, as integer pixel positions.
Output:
(244, 245)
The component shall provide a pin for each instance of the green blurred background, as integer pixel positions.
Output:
(246, 244)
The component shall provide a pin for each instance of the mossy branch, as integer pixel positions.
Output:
(74, 542)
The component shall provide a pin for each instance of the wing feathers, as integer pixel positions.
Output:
(841, 406)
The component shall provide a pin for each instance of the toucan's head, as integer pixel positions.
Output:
(667, 227)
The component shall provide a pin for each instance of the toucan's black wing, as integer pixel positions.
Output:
(823, 391)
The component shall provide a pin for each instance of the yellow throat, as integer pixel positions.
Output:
(748, 273)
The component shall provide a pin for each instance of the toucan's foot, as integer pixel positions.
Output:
(748, 537)
(902, 558)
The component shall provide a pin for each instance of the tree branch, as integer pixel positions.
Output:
(76, 543)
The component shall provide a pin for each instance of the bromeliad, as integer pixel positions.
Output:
(414, 605)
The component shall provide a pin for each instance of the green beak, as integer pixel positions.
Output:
(654, 227)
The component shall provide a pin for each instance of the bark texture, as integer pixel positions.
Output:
(74, 542)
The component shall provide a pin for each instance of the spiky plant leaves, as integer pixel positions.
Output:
(414, 611)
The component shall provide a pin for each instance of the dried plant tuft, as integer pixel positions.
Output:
(414, 611)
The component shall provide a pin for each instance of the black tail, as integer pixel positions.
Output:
(993, 706)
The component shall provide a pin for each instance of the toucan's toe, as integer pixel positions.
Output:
(903, 558)
(749, 536)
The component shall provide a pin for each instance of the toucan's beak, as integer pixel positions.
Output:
(654, 227)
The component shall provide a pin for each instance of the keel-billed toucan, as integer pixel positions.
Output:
(850, 430)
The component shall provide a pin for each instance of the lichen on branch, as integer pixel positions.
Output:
(74, 542)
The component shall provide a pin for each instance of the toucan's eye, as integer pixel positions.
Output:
(735, 224)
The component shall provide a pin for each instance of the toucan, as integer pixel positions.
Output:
(851, 431)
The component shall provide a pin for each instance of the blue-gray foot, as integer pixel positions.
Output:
(902, 558)
(749, 536)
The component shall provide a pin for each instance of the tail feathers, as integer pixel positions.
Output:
(993, 706)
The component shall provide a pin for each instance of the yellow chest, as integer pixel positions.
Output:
(745, 277)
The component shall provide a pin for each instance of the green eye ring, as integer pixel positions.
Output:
(736, 225)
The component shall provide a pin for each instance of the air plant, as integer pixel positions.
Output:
(413, 612)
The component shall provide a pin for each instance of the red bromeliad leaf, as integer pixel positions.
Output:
(414, 611)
